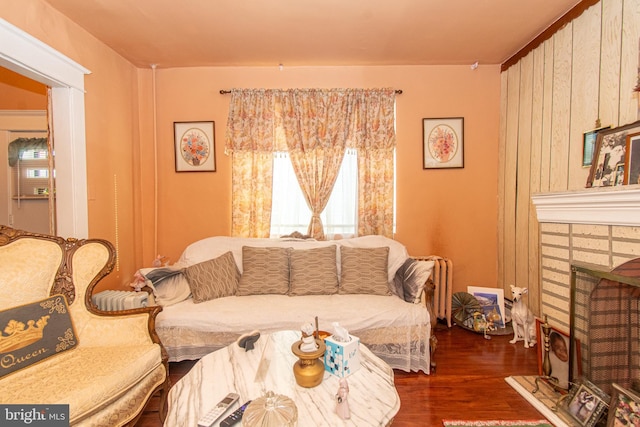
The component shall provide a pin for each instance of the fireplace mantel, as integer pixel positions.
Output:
(607, 206)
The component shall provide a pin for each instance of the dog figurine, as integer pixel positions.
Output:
(522, 319)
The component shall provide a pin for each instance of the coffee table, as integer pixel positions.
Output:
(373, 398)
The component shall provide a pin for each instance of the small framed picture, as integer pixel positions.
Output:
(492, 302)
(585, 403)
(632, 159)
(195, 146)
(558, 353)
(589, 145)
(624, 408)
(443, 143)
(610, 152)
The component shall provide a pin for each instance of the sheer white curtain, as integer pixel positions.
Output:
(290, 212)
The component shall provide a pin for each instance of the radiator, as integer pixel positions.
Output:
(120, 300)
(442, 277)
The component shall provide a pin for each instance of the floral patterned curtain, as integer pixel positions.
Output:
(314, 126)
(250, 140)
(376, 141)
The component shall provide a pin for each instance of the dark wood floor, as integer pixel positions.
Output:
(468, 382)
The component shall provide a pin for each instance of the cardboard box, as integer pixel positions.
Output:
(342, 358)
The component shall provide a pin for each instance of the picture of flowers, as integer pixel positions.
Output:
(194, 146)
(443, 142)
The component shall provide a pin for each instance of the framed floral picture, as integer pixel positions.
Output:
(443, 143)
(194, 146)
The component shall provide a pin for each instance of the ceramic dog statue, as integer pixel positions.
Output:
(522, 319)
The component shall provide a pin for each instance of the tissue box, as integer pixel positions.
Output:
(342, 358)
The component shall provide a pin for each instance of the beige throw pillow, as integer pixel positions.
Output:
(314, 271)
(364, 271)
(215, 278)
(264, 271)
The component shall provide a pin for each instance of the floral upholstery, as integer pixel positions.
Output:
(119, 362)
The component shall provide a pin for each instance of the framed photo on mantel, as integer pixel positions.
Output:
(608, 167)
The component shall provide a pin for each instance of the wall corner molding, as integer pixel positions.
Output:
(610, 206)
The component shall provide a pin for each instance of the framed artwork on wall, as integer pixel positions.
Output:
(632, 159)
(609, 156)
(443, 143)
(194, 146)
(589, 145)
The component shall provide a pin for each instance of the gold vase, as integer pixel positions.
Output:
(309, 369)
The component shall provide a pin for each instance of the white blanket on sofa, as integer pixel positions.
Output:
(394, 329)
(277, 312)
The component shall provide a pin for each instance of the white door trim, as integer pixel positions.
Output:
(26, 55)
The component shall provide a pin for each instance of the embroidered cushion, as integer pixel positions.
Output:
(33, 332)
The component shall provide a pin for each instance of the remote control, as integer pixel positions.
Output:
(235, 416)
(218, 410)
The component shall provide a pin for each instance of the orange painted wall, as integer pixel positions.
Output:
(20, 93)
(448, 212)
(445, 212)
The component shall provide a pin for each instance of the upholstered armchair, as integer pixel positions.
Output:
(106, 367)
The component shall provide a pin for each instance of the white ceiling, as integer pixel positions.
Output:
(189, 33)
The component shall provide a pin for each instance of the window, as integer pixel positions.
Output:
(290, 212)
(30, 175)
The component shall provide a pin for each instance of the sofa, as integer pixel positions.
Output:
(56, 348)
(224, 287)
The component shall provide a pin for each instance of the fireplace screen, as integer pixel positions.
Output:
(606, 320)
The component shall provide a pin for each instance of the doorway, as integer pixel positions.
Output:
(25, 169)
(27, 56)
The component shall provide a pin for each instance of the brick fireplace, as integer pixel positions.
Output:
(599, 228)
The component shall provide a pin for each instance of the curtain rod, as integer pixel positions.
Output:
(224, 92)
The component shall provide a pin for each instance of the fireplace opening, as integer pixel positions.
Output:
(605, 317)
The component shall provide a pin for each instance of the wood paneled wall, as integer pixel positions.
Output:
(585, 71)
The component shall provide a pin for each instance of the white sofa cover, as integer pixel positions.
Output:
(397, 331)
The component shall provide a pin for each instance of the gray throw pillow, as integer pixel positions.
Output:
(410, 279)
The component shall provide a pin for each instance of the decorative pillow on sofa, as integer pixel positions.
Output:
(215, 278)
(33, 332)
(314, 271)
(410, 279)
(364, 271)
(169, 285)
(264, 271)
